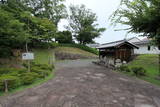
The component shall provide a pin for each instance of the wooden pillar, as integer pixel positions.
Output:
(6, 85)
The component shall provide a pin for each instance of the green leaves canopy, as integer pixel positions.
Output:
(143, 16)
(19, 26)
(54, 10)
(11, 29)
(82, 24)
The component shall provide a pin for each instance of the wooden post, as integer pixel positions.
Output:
(6, 86)
(29, 66)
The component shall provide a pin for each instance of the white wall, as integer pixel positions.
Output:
(143, 49)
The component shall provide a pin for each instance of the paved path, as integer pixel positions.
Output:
(83, 84)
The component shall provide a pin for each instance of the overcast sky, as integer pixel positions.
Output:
(103, 9)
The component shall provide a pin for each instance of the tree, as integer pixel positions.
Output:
(54, 10)
(41, 29)
(12, 31)
(82, 24)
(64, 37)
(143, 16)
(19, 26)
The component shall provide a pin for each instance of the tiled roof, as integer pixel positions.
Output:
(115, 44)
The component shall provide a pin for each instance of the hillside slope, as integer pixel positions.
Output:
(150, 63)
(63, 53)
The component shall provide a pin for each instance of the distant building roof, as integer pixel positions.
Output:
(93, 45)
(143, 41)
(116, 44)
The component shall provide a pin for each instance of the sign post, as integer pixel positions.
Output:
(28, 57)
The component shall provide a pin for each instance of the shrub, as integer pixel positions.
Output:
(11, 70)
(139, 71)
(5, 52)
(41, 73)
(40, 66)
(12, 82)
(29, 77)
(124, 68)
(43, 66)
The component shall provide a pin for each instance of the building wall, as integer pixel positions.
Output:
(143, 49)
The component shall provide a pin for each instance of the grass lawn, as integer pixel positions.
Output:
(43, 56)
(73, 50)
(150, 63)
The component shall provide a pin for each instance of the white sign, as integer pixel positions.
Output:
(27, 56)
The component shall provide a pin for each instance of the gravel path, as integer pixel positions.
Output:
(83, 84)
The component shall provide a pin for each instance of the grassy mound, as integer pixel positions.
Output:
(72, 53)
(82, 47)
(150, 63)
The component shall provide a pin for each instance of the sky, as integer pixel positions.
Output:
(103, 9)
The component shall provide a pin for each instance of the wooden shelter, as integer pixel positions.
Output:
(122, 50)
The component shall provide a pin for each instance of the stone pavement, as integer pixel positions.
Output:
(83, 84)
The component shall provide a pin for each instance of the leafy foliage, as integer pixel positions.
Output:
(82, 24)
(143, 16)
(19, 26)
(138, 71)
(19, 77)
(124, 68)
(53, 10)
(13, 82)
(64, 37)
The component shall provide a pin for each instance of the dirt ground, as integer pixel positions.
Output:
(83, 84)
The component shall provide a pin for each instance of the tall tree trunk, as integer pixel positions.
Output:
(159, 63)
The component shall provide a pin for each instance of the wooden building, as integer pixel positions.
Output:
(118, 50)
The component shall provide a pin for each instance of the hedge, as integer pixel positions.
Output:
(15, 78)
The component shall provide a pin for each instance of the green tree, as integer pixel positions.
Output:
(142, 16)
(82, 24)
(54, 10)
(41, 29)
(19, 26)
(64, 37)
(12, 31)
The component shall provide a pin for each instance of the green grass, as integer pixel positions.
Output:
(73, 50)
(43, 56)
(150, 63)
(82, 47)
(22, 88)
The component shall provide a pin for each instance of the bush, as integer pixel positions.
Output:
(29, 77)
(13, 82)
(139, 71)
(11, 70)
(124, 68)
(43, 66)
(40, 66)
(19, 77)
(5, 52)
(41, 73)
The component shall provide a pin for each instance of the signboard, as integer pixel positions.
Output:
(27, 56)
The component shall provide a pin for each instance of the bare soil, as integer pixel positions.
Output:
(82, 84)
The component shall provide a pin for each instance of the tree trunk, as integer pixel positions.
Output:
(159, 64)
(6, 85)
